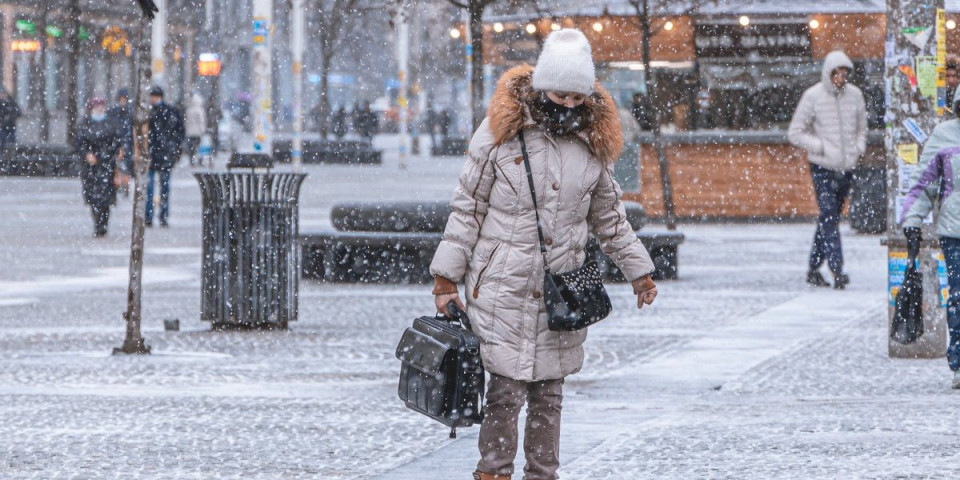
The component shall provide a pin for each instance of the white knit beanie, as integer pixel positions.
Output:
(565, 64)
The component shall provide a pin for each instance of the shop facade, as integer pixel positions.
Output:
(725, 84)
(37, 47)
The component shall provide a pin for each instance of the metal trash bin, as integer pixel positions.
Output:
(251, 259)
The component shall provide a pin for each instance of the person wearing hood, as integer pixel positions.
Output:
(937, 173)
(830, 123)
(196, 126)
(100, 145)
(571, 128)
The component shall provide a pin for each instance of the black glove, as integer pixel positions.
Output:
(913, 241)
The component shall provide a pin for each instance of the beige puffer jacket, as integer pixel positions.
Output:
(491, 241)
(830, 123)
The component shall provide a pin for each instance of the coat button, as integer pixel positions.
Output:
(536, 294)
(518, 160)
(556, 186)
(548, 241)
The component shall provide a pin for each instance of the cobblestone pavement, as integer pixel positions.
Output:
(738, 371)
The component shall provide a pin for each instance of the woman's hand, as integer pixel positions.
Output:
(91, 159)
(445, 290)
(443, 299)
(645, 290)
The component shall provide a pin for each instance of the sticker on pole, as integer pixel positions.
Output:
(915, 130)
(260, 32)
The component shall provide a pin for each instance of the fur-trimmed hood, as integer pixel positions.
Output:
(508, 113)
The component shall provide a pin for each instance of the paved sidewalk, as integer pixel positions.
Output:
(738, 371)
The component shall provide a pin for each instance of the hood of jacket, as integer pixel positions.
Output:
(833, 61)
(508, 113)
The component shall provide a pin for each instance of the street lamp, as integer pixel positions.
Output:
(498, 27)
(454, 33)
(531, 28)
(744, 20)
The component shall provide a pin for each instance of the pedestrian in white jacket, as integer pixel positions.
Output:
(572, 133)
(830, 123)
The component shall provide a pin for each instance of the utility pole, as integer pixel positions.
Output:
(262, 70)
(158, 43)
(666, 185)
(403, 56)
(133, 342)
(915, 42)
(296, 50)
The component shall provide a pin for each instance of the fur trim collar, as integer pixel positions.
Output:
(508, 113)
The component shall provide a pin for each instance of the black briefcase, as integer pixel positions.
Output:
(441, 374)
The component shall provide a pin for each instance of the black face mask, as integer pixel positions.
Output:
(562, 120)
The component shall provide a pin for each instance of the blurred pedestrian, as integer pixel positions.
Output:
(99, 144)
(430, 124)
(338, 123)
(166, 141)
(121, 116)
(9, 113)
(830, 123)
(952, 77)
(938, 173)
(570, 126)
(196, 126)
(642, 111)
(365, 121)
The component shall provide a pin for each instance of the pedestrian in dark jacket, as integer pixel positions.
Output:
(165, 138)
(365, 121)
(121, 116)
(9, 113)
(642, 111)
(98, 142)
(339, 123)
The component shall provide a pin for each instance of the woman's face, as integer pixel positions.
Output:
(98, 111)
(567, 99)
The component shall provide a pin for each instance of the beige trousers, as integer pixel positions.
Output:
(498, 432)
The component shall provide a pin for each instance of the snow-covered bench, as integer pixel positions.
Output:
(394, 243)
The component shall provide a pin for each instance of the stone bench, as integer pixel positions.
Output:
(40, 161)
(352, 152)
(394, 243)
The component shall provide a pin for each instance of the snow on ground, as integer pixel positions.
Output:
(739, 370)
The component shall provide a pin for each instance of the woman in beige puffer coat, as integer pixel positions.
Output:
(572, 132)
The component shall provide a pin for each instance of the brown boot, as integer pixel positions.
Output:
(489, 476)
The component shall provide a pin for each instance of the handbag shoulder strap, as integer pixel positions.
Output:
(533, 195)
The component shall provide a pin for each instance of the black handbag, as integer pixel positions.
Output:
(574, 299)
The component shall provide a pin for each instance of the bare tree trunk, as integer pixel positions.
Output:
(476, 74)
(324, 95)
(73, 62)
(665, 183)
(133, 342)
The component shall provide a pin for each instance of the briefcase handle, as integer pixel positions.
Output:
(457, 314)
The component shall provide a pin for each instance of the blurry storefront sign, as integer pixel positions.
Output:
(208, 65)
(753, 42)
(114, 40)
(25, 45)
(54, 31)
(25, 26)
